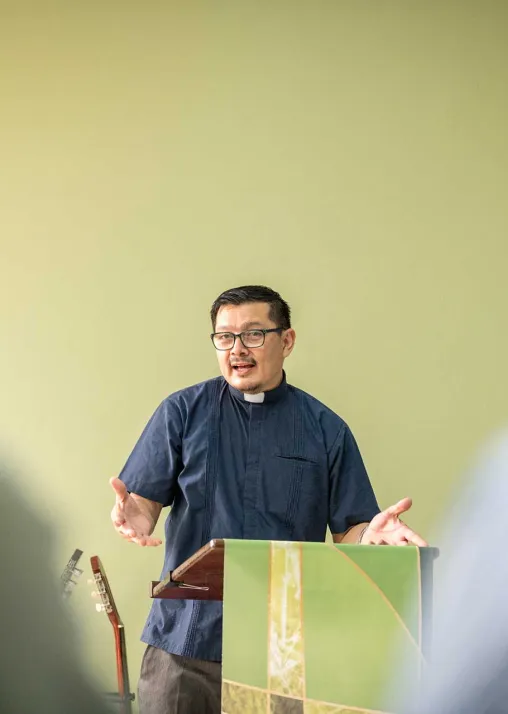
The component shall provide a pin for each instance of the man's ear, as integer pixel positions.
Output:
(288, 339)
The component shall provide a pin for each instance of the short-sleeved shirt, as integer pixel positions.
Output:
(280, 469)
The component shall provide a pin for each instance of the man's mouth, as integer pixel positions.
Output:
(242, 368)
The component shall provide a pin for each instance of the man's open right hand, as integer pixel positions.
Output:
(130, 519)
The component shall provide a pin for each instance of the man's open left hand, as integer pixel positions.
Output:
(387, 529)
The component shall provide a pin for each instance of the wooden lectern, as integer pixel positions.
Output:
(201, 577)
(312, 628)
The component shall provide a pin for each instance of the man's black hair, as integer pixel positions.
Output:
(280, 312)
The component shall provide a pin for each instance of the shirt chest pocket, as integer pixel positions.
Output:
(291, 487)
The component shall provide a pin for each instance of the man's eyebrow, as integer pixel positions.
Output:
(245, 326)
(253, 323)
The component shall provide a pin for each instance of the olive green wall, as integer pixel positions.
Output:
(352, 155)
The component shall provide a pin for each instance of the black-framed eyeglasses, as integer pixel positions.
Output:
(249, 338)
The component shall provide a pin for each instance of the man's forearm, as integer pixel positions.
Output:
(351, 536)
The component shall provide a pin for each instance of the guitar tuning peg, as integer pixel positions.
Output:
(94, 593)
(90, 581)
(100, 607)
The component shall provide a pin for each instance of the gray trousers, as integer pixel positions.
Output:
(171, 684)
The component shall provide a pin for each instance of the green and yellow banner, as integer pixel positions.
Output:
(315, 628)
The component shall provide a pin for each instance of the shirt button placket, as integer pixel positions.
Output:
(252, 473)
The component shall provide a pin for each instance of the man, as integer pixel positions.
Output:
(244, 455)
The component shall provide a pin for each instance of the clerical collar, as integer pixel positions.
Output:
(254, 398)
(272, 395)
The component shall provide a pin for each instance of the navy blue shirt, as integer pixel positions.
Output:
(282, 469)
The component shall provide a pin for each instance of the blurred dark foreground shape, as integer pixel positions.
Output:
(468, 672)
(40, 669)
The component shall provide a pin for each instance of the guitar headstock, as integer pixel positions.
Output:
(107, 603)
(69, 577)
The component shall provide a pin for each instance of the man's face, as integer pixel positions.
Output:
(255, 369)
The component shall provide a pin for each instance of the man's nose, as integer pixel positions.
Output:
(239, 348)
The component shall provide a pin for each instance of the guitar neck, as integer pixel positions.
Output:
(122, 670)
